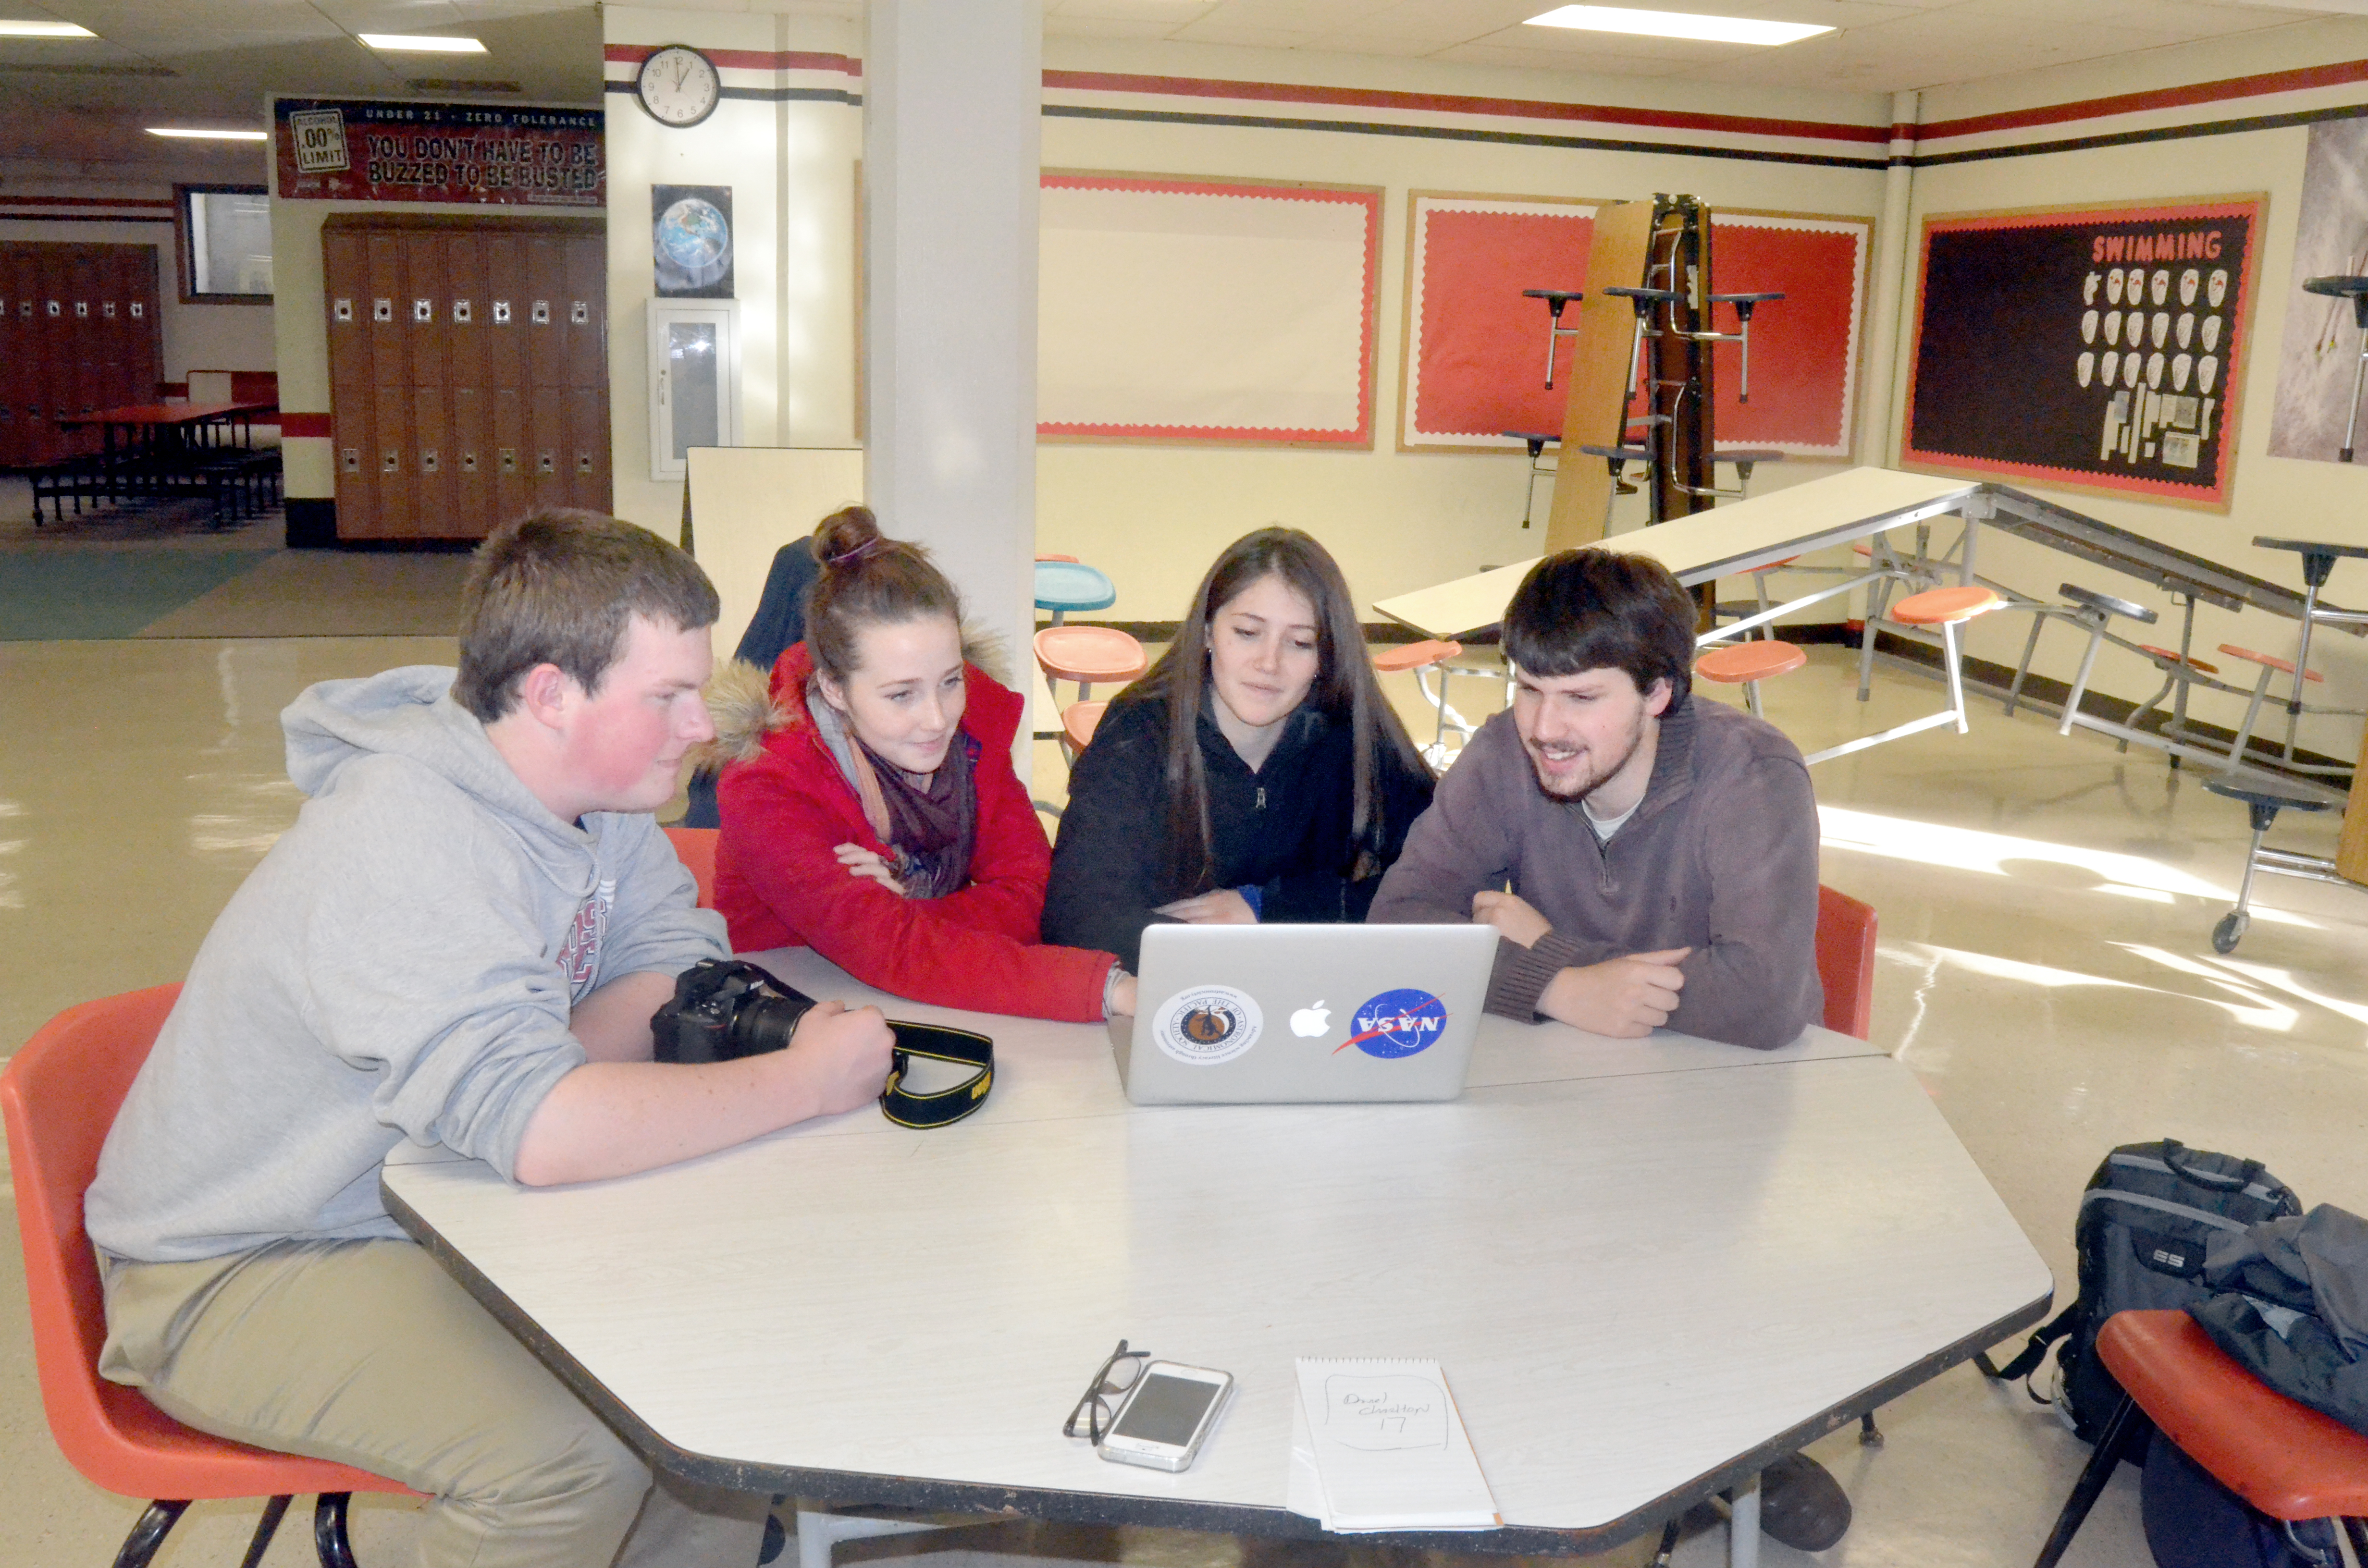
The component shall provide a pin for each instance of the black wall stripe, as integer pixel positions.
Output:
(1454, 133)
(768, 94)
(2132, 138)
(1590, 143)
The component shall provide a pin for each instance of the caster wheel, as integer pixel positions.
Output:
(2230, 932)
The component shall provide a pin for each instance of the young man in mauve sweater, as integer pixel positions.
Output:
(1660, 853)
(1646, 859)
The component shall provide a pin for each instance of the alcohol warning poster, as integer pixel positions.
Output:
(362, 150)
(2098, 350)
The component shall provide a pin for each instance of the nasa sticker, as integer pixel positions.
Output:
(1207, 1024)
(1397, 1024)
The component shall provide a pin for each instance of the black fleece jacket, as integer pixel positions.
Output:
(1283, 829)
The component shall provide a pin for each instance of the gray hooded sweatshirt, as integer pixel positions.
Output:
(402, 964)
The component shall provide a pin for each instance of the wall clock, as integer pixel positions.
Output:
(679, 86)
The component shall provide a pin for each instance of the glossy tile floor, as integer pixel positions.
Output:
(2044, 968)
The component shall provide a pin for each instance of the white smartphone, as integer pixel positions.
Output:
(1167, 1416)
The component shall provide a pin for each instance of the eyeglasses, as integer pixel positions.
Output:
(1115, 1377)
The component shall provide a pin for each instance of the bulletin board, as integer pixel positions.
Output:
(1206, 310)
(1474, 360)
(2098, 349)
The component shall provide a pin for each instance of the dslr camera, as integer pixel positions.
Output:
(724, 1009)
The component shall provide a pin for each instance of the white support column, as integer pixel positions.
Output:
(952, 148)
(1885, 329)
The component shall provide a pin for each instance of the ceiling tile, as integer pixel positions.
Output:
(1486, 53)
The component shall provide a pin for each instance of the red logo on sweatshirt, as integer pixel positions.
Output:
(579, 955)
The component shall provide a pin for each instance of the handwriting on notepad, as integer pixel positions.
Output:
(1399, 1410)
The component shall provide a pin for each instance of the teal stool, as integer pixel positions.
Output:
(1065, 585)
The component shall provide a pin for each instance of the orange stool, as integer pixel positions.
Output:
(1090, 655)
(2179, 671)
(695, 847)
(2281, 1456)
(1747, 665)
(1947, 608)
(1431, 654)
(2270, 665)
(1078, 721)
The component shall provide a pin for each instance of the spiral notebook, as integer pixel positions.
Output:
(1378, 1445)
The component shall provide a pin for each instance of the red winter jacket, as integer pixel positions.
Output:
(779, 885)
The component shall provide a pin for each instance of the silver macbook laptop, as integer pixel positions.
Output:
(1272, 1015)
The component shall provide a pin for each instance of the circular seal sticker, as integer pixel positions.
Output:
(1395, 1024)
(1207, 1024)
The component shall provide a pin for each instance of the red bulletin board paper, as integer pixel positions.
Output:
(1227, 311)
(362, 150)
(1479, 366)
(1475, 347)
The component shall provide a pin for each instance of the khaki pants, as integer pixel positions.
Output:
(369, 1353)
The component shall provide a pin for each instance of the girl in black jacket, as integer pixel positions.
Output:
(1255, 773)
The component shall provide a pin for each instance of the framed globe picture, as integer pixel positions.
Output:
(691, 241)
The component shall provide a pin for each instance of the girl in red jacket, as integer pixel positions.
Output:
(869, 806)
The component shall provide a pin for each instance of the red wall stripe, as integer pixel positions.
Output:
(740, 59)
(298, 424)
(2337, 75)
(2342, 73)
(1436, 103)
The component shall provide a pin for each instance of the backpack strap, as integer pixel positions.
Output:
(2173, 1151)
(2033, 1351)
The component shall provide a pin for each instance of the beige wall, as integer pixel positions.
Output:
(2269, 495)
(1154, 515)
(791, 169)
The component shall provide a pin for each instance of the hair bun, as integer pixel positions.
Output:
(846, 537)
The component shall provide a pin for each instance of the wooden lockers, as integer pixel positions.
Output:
(468, 370)
(78, 333)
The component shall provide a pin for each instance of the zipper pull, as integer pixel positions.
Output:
(1261, 798)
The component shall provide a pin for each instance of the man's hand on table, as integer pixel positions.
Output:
(842, 1053)
(1626, 999)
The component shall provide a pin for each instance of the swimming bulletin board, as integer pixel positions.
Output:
(1475, 354)
(2098, 349)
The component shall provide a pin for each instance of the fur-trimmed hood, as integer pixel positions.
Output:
(748, 706)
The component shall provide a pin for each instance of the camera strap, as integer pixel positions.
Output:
(935, 1042)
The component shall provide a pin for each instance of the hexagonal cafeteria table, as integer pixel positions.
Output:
(1647, 1268)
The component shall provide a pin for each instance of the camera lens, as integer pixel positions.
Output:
(764, 1023)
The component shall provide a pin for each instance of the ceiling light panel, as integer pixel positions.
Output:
(421, 43)
(196, 135)
(14, 27)
(1677, 24)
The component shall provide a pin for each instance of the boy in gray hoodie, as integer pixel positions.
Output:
(461, 942)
